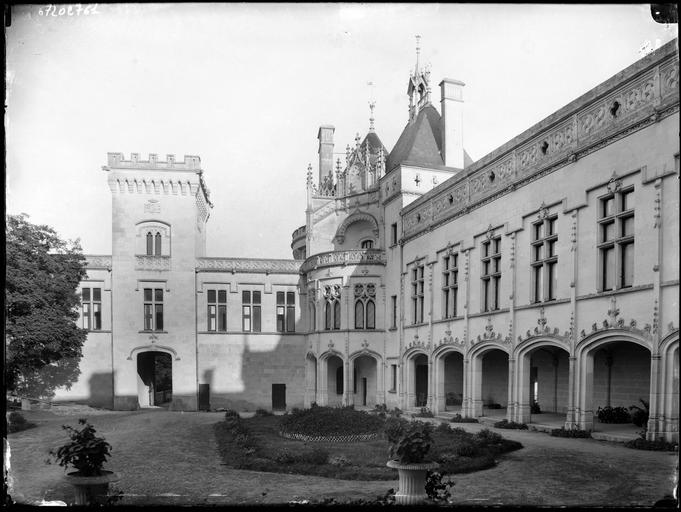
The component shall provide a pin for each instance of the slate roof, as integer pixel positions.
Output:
(421, 142)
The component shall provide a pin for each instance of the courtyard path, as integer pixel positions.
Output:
(171, 458)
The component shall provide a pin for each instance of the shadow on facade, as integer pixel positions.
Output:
(101, 390)
(270, 379)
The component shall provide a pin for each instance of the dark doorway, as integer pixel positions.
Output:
(364, 390)
(278, 397)
(155, 370)
(204, 397)
(421, 384)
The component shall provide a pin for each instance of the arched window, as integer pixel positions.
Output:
(332, 307)
(367, 244)
(365, 307)
(150, 244)
(339, 380)
(157, 251)
(359, 314)
(328, 315)
(371, 315)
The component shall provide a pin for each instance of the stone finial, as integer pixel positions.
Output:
(347, 153)
(357, 139)
(372, 105)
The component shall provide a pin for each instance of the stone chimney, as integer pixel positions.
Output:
(451, 108)
(325, 136)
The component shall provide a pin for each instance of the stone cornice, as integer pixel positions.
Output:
(639, 96)
(248, 265)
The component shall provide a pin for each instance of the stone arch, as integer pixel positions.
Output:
(488, 377)
(588, 372)
(149, 371)
(356, 217)
(366, 377)
(449, 378)
(332, 378)
(546, 382)
(153, 348)
(311, 379)
(154, 226)
(416, 376)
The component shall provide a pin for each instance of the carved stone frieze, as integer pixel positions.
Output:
(350, 257)
(97, 261)
(144, 262)
(248, 265)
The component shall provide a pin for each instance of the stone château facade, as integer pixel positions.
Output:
(547, 271)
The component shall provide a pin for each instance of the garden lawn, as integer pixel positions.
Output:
(266, 450)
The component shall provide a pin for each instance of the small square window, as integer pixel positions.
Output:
(211, 295)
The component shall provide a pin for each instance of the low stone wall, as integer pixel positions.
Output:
(349, 438)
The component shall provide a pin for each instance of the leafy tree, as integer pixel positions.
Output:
(43, 342)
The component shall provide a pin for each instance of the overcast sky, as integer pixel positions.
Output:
(246, 87)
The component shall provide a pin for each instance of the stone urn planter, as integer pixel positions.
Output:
(91, 490)
(86, 453)
(409, 445)
(412, 481)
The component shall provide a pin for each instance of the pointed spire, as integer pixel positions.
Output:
(418, 52)
(372, 104)
(347, 154)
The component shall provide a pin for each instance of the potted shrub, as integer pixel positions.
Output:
(86, 453)
(409, 446)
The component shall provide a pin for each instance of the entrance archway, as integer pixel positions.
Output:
(365, 381)
(336, 380)
(449, 381)
(154, 378)
(615, 372)
(420, 380)
(489, 390)
(543, 375)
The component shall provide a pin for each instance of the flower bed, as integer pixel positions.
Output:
(325, 422)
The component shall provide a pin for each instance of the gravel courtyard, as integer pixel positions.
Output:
(171, 458)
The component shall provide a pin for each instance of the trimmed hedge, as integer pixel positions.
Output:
(658, 445)
(510, 425)
(330, 421)
(16, 422)
(562, 432)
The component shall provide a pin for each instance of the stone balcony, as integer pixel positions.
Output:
(343, 258)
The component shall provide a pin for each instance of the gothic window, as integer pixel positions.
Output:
(332, 307)
(217, 310)
(286, 312)
(250, 310)
(417, 293)
(616, 240)
(367, 244)
(450, 285)
(153, 309)
(157, 244)
(91, 301)
(365, 307)
(150, 244)
(491, 273)
(544, 259)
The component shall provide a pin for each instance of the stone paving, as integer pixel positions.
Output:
(171, 458)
